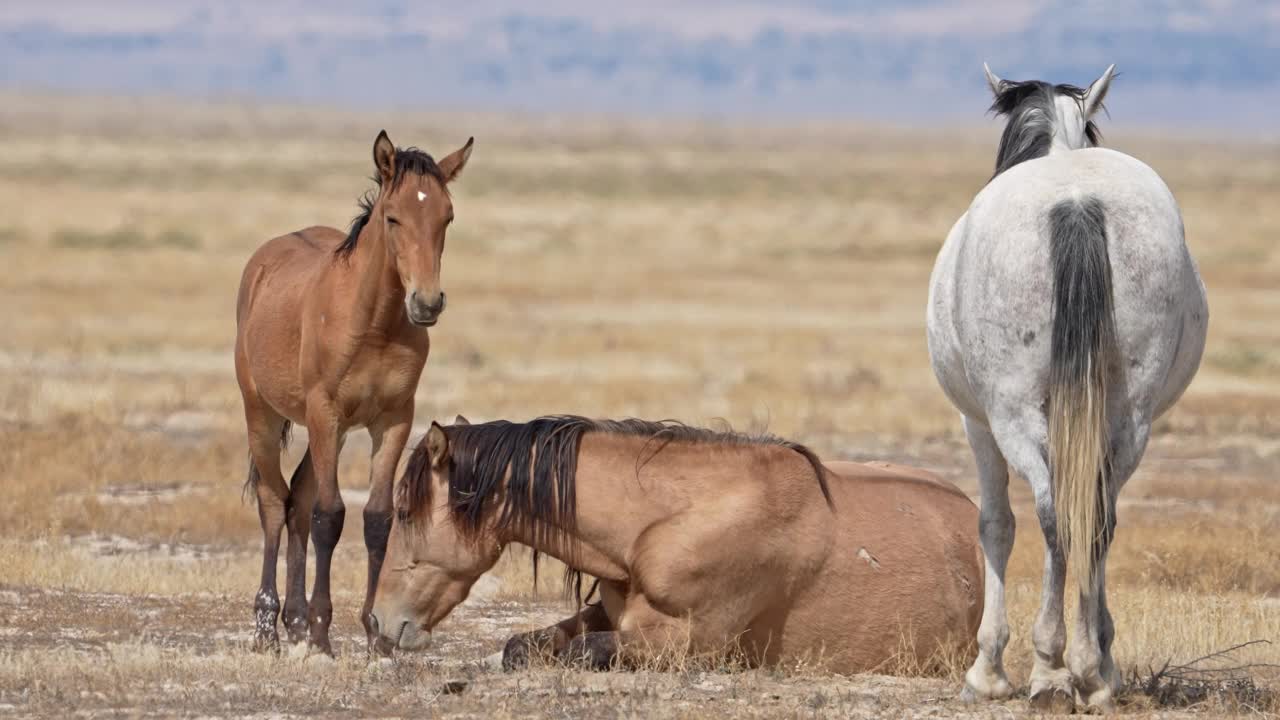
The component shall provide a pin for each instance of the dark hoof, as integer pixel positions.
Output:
(515, 656)
(453, 687)
(265, 637)
(266, 642)
(590, 652)
(320, 641)
(266, 610)
(1054, 701)
(296, 629)
(521, 649)
(319, 624)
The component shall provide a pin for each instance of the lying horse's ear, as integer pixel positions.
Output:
(384, 157)
(437, 446)
(461, 421)
(451, 167)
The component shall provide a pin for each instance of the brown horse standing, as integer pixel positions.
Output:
(332, 334)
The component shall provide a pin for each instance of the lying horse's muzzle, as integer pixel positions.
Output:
(400, 634)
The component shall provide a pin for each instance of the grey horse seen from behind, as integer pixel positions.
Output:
(1065, 315)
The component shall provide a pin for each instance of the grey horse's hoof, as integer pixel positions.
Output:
(1054, 701)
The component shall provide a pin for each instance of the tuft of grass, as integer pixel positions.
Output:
(117, 239)
(948, 660)
(125, 238)
(1218, 680)
(1243, 360)
(177, 238)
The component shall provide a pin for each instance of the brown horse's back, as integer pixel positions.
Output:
(273, 290)
(290, 260)
(905, 574)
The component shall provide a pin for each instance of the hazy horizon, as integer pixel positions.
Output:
(1193, 64)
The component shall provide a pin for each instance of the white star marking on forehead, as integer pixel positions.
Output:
(421, 196)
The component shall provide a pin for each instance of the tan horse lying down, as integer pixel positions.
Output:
(703, 542)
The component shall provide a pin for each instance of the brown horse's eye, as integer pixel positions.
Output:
(392, 221)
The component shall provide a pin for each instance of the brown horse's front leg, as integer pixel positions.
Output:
(326, 523)
(389, 438)
(554, 641)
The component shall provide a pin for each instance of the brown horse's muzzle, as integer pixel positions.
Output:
(424, 310)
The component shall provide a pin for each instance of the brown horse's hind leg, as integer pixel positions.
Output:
(272, 493)
(302, 498)
(389, 438)
(554, 641)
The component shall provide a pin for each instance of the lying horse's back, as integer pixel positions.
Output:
(904, 574)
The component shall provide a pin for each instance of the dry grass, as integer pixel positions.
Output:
(764, 276)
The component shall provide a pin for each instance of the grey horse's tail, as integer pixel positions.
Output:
(1084, 348)
(250, 489)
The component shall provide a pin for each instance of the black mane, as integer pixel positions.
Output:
(1029, 105)
(408, 160)
(538, 460)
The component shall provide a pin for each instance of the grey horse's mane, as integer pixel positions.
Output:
(1029, 105)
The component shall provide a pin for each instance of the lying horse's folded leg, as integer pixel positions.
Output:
(537, 643)
(555, 640)
(592, 651)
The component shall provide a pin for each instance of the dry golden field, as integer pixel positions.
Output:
(769, 276)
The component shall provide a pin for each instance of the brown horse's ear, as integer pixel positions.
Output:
(461, 421)
(437, 446)
(384, 157)
(451, 167)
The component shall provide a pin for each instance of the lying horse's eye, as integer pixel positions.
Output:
(392, 221)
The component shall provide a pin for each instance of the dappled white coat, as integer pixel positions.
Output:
(990, 299)
(990, 321)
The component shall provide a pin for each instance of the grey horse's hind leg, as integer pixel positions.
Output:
(1023, 442)
(1095, 672)
(986, 679)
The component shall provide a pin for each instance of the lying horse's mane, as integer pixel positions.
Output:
(1029, 105)
(539, 461)
(408, 160)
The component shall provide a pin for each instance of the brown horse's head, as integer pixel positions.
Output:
(413, 210)
(432, 560)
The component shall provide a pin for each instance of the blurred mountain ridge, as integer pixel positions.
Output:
(1185, 62)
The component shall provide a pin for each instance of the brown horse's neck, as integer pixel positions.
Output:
(379, 301)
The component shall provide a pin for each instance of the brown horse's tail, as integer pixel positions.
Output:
(250, 489)
(1084, 347)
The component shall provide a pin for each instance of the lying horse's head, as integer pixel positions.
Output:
(433, 556)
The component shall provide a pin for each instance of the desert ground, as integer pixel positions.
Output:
(767, 276)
